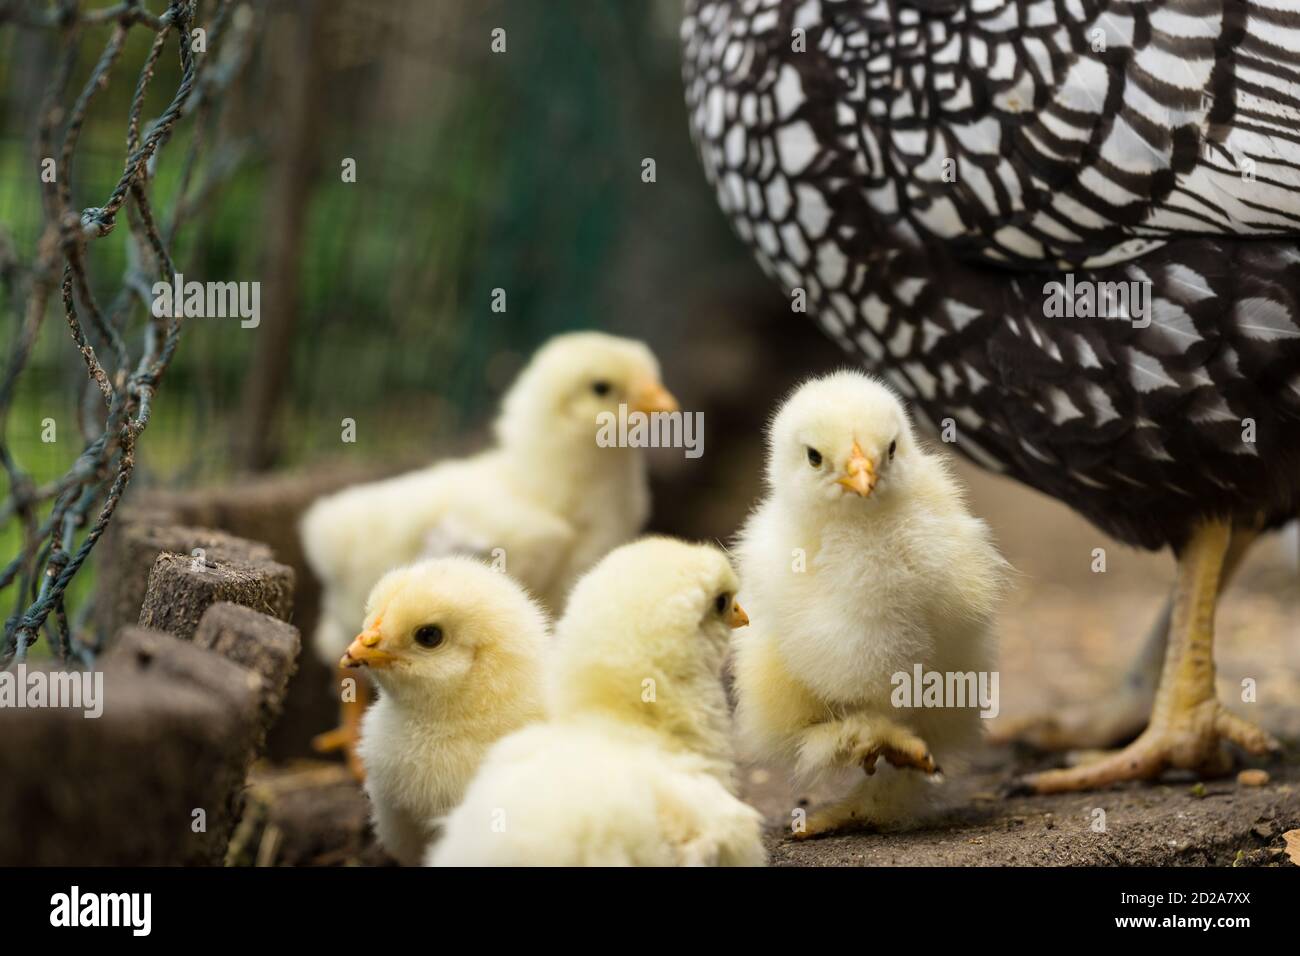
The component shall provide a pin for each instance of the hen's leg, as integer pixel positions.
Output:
(1187, 722)
(1121, 715)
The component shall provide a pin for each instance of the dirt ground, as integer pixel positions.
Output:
(1217, 823)
(1066, 635)
(313, 814)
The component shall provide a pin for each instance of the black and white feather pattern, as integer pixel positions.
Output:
(924, 169)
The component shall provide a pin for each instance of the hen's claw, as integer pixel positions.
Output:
(1186, 747)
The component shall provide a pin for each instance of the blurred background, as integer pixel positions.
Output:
(475, 170)
(522, 170)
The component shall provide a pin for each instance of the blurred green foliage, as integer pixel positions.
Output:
(476, 171)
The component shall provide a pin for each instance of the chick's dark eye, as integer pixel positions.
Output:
(814, 457)
(893, 445)
(600, 388)
(722, 602)
(430, 635)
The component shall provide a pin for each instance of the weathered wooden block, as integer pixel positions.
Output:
(258, 642)
(137, 537)
(267, 508)
(156, 780)
(235, 690)
(182, 587)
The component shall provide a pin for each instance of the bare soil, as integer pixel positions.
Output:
(1180, 822)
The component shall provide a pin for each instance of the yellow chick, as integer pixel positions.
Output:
(544, 504)
(865, 572)
(456, 649)
(633, 766)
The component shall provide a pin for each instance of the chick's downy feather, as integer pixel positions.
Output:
(456, 650)
(861, 563)
(633, 765)
(546, 500)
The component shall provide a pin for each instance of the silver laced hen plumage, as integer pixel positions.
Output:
(924, 170)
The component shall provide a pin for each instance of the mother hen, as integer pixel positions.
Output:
(1066, 230)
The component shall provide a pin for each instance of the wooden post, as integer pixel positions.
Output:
(257, 642)
(183, 587)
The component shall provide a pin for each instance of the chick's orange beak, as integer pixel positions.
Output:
(364, 651)
(654, 398)
(737, 617)
(859, 472)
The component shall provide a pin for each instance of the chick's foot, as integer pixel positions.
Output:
(860, 741)
(342, 738)
(347, 734)
(874, 803)
(846, 815)
(899, 747)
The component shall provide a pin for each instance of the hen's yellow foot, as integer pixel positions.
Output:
(1187, 723)
(1188, 746)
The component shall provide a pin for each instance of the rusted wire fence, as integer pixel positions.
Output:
(125, 348)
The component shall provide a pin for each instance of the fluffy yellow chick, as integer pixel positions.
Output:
(545, 503)
(861, 563)
(456, 649)
(634, 765)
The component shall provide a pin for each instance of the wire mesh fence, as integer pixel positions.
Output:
(125, 348)
(471, 175)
